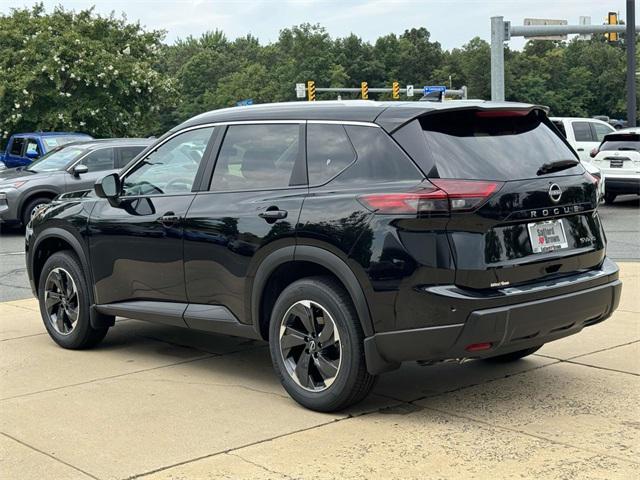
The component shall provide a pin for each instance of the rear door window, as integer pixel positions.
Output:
(490, 145)
(601, 130)
(329, 151)
(582, 132)
(379, 159)
(257, 157)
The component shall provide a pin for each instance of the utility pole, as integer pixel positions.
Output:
(630, 41)
(497, 58)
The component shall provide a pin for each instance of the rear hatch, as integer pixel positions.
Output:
(522, 208)
(619, 155)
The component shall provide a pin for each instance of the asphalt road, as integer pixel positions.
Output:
(621, 222)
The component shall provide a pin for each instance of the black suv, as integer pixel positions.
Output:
(353, 236)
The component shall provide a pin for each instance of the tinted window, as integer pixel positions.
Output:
(16, 146)
(379, 159)
(480, 145)
(329, 151)
(601, 131)
(56, 160)
(628, 142)
(171, 168)
(560, 126)
(582, 131)
(255, 157)
(126, 154)
(98, 160)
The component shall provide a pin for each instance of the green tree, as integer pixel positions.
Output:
(79, 71)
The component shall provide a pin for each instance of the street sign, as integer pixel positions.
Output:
(584, 20)
(433, 88)
(409, 90)
(245, 102)
(300, 90)
(545, 21)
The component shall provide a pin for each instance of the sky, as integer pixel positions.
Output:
(452, 23)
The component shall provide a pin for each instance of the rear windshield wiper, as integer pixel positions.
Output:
(557, 165)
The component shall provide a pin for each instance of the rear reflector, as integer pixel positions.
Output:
(446, 196)
(478, 347)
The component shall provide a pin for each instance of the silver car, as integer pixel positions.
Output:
(75, 166)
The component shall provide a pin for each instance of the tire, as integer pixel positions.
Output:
(30, 206)
(54, 281)
(513, 356)
(609, 198)
(343, 351)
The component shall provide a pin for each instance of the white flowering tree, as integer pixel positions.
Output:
(78, 71)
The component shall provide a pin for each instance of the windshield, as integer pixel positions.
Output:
(621, 142)
(58, 140)
(57, 160)
(494, 145)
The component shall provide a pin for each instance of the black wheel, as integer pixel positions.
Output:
(513, 356)
(64, 303)
(31, 207)
(609, 197)
(316, 344)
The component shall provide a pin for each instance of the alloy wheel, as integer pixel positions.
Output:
(310, 345)
(61, 301)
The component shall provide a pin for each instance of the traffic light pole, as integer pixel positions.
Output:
(630, 42)
(502, 31)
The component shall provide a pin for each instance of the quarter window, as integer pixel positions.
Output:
(582, 132)
(171, 168)
(257, 157)
(329, 151)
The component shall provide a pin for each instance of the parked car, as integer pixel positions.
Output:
(577, 131)
(583, 134)
(23, 148)
(618, 156)
(352, 236)
(74, 166)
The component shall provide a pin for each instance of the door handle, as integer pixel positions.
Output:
(272, 214)
(169, 219)
(580, 149)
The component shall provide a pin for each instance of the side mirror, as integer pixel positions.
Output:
(109, 187)
(79, 170)
(593, 153)
(32, 154)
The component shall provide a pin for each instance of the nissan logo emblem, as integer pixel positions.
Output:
(555, 192)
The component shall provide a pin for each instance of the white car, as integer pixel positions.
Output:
(618, 157)
(583, 134)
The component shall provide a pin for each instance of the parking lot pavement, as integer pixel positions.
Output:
(163, 403)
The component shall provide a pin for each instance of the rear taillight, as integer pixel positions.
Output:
(446, 196)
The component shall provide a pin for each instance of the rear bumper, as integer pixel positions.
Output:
(507, 328)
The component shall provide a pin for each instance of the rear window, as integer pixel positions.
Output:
(628, 142)
(490, 145)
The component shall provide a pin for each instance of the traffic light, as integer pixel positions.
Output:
(364, 89)
(311, 90)
(612, 19)
(396, 90)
